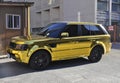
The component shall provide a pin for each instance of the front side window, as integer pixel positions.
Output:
(12, 21)
(53, 30)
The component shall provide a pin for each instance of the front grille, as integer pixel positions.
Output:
(12, 45)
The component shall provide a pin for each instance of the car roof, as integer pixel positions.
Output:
(83, 23)
(73, 22)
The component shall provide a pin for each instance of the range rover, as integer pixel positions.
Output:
(61, 41)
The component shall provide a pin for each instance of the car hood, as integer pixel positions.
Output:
(34, 38)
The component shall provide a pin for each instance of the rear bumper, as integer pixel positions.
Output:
(109, 46)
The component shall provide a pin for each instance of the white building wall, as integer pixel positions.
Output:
(64, 10)
(44, 12)
(55, 14)
(86, 8)
(50, 11)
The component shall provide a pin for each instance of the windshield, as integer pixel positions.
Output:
(53, 30)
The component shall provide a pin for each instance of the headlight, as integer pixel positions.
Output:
(18, 46)
(21, 47)
(24, 47)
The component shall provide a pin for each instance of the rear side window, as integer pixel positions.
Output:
(91, 30)
(84, 30)
(94, 29)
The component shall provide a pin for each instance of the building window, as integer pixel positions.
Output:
(12, 21)
(115, 7)
(102, 6)
(115, 0)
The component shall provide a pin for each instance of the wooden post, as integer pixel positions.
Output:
(27, 23)
(28, 14)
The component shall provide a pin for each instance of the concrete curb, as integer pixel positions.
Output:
(3, 56)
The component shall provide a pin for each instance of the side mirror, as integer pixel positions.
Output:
(64, 34)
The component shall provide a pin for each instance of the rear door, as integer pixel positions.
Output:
(84, 40)
(90, 35)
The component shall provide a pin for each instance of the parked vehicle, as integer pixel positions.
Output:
(61, 41)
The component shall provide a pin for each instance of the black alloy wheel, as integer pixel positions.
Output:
(39, 60)
(95, 55)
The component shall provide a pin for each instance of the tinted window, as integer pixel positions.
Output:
(92, 30)
(72, 30)
(96, 30)
(53, 30)
(86, 30)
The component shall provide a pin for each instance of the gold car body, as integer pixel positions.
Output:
(60, 48)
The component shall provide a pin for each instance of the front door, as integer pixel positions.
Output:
(68, 47)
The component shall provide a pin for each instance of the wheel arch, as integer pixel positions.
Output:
(96, 53)
(39, 51)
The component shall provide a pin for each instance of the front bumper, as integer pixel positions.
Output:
(14, 54)
(19, 56)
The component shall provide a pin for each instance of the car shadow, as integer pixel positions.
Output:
(14, 68)
(68, 63)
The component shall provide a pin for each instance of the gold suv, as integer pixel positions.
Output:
(61, 41)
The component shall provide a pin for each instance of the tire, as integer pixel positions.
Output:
(95, 55)
(39, 60)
